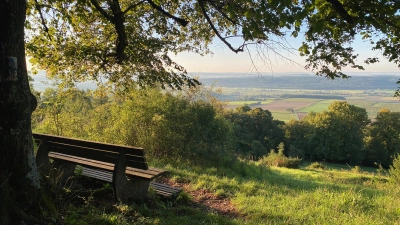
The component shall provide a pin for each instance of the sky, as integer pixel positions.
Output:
(224, 60)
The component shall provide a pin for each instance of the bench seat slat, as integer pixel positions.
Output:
(161, 189)
(146, 174)
(165, 190)
(165, 187)
(98, 174)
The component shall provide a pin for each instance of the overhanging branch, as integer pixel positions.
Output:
(203, 10)
(132, 6)
(181, 21)
(340, 9)
(38, 8)
(222, 13)
(102, 11)
(117, 19)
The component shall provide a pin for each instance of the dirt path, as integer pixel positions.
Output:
(206, 200)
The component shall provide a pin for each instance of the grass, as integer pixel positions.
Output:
(264, 195)
(282, 115)
(241, 103)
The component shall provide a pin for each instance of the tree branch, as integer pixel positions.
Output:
(203, 10)
(222, 13)
(102, 11)
(119, 20)
(181, 21)
(132, 6)
(42, 18)
(340, 9)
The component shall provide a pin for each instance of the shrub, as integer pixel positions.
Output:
(316, 165)
(280, 160)
(356, 169)
(394, 170)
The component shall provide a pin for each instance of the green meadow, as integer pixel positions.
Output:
(250, 193)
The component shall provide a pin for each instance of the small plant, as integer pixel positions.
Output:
(279, 159)
(78, 171)
(183, 197)
(381, 171)
(356, 169)
(394, 170)
(317, 165)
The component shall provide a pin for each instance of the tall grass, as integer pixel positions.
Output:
(274, 195)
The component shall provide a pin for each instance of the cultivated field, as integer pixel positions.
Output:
(279, 106)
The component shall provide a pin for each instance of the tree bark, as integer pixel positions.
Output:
(19, 178)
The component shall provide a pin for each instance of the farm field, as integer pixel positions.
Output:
(279, 106)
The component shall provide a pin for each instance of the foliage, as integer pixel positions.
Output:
(335, 135)
(279, 159)
(168, 126)
(394, 170)
(78, 40)
(316, 165)
(255, 130)
(382, 138)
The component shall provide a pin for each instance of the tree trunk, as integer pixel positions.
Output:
(19, 178)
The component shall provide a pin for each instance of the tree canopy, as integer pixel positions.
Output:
(126, 41)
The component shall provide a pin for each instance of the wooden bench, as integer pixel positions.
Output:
(125, 167)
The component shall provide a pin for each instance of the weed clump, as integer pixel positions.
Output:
(316, 165)
(280, 160)
(394, 170)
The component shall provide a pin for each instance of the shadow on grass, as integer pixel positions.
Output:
(91, 205)
(243, 171)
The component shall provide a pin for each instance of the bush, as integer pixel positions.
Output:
(356, 169)
(394, 170)
(280, 160)
(316, 165)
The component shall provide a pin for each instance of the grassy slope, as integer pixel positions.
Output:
(272, 196)
(287, 196)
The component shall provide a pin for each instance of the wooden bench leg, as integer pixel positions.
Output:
(128, 190)
(125, 189)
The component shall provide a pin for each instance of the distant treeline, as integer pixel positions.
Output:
(262, 97)
(307, 82)
(314, 96)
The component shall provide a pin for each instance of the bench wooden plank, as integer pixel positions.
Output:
(165, 190)
(103, 165)
(147, 174)
(90, 144)
(96, 154)
(161, 189)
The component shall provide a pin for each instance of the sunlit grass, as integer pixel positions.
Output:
(318, 106)
(282, 115)
(338, 194)
(241, 103)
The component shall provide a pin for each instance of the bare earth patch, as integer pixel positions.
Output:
(205, 200)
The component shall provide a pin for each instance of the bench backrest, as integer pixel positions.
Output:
(94, 150)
